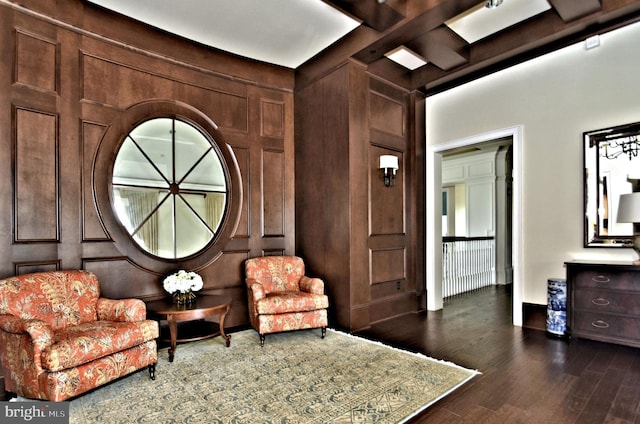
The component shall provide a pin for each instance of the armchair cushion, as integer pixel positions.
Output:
(83, 343)
(281, 303)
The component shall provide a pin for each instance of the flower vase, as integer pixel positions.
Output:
(185, 298)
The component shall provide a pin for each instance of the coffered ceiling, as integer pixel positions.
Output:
(422, 27)
(450, 41)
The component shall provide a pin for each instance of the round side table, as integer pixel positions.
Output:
(186, 322)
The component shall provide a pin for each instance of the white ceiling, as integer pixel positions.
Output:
(282, 32)
(480, 22)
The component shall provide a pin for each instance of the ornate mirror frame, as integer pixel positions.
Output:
(611, 168)
(103, 177)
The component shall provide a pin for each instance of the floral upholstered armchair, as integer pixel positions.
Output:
(59, 338)
(282, 298)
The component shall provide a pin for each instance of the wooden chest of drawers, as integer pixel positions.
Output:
(604, 301)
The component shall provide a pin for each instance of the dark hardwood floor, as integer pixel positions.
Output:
(527, 376)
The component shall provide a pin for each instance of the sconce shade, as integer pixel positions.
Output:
(389, 166)
(389, 161)
(629, 208)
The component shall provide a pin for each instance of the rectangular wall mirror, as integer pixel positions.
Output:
(611, 168)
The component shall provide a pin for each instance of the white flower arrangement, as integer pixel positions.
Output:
(183, 282)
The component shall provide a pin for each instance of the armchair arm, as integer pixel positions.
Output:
(311, 285)
(39, 331)
(22, 343)
(256, 288)
(121, 310)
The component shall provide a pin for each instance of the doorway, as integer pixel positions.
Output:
(434, 271)
(476, 217)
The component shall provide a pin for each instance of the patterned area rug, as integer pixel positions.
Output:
(296, 377)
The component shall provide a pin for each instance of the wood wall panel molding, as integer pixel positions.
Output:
(37, 61)
(131, 84)
(388, 265)
(273, 192)
(229, 111)
(273, 252)
(244, 163)
(57, 188)
(121, 278)
(388, 289)
(387, 140)
(387, 210)
(93, 228)
(358, 316)
(228, 271)
(94, 72)
(36, 184)
(392, 306)
(140, 60)
(28, 267)
(387, 115)
(238, 244)
(272, 119)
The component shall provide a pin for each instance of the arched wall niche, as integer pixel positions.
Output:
(103, 168)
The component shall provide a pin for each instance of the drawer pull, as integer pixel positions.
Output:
(600, 302)
(601, 279)
(600, 324)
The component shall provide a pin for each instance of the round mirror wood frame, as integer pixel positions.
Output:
(103, 178)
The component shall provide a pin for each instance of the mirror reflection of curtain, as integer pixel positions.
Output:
(140, 205)
(214, 204)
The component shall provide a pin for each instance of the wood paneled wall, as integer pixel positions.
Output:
(362, 237)
(69, 71)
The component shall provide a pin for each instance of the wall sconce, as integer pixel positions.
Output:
(629, 211)
(389, 165)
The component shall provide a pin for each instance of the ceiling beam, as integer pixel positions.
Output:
(451, 62)
(379, 16)
(570, 10)
(425, 22)
(442, 47)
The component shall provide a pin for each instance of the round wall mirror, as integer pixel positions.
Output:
(169, 187)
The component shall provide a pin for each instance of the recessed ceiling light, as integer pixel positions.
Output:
(492, 4)
(406, 57)
(480, 22)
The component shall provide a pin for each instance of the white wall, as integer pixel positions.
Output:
(555, 98)
(475, 175)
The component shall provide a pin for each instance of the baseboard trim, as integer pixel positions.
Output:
(534, 316)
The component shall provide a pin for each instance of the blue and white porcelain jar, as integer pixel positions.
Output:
(556, 306)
